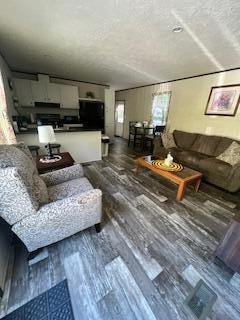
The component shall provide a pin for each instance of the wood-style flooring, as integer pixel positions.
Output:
(150, 254)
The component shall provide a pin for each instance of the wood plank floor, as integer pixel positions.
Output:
(151, 252)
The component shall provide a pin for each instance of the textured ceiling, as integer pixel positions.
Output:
(123, 43)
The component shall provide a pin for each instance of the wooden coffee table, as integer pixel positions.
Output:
(66, 161)
(182, 178)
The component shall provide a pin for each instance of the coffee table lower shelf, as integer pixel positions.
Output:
(183, 178)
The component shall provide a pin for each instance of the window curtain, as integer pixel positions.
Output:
(160, 104)
(7, 135)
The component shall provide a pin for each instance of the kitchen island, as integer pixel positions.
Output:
(84, 145)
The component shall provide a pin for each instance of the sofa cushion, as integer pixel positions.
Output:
(206, 144)
(232, 154)
(224, 143)
(168, 140)
(191, 158)
(184, 140)
(69, 188)
(175, 152)
(215, 166)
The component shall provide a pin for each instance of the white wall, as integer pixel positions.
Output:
(187, 105)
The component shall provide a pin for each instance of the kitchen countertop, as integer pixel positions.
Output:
(59, 130)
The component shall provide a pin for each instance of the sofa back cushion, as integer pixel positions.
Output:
(15, 203)
(206, 144)
(224, 143)
(184, 140)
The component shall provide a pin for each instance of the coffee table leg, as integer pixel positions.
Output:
(181, 191)
(197, 185)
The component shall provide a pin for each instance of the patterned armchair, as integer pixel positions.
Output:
(43, 209)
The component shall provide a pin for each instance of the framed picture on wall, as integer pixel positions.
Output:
(223, 100)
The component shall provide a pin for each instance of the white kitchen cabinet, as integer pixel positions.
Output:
(53, 93)
(24, 92)
(39, 91)
(45, 92)
(69, 97)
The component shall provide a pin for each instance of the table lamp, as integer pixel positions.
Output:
(47, 135)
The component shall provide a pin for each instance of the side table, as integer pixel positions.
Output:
(66, 161)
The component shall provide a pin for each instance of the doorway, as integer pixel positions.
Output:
(119, 117)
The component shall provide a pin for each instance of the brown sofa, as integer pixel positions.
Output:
(199, 152)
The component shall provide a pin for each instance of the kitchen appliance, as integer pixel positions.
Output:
(92, 114)
(70, 119)
(49, 119)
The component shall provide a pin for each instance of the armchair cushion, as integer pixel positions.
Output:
(11, 156)
(62, 175)
(60, 219)
(15, 202)
(69, 188)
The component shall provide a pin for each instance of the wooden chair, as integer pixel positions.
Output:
(158, 130)
(148, 137)
(131, 131)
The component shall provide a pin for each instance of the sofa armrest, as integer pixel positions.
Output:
(60, 219)
(234, 178)
(63, 175)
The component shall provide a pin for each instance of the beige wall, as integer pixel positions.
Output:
(187, 105)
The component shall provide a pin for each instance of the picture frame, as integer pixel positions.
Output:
(223, 100)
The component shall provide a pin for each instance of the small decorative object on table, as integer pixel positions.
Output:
(46, 135)
(174, 167)
(169, 160)
(47, 160)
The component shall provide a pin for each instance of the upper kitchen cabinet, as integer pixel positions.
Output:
(24, 92)
(69, 97)
(39, 91)
(45, 92)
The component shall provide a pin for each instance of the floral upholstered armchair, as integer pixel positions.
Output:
(43, 209)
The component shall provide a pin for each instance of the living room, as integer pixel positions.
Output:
(119, 160)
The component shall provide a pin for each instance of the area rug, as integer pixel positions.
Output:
(54, 304)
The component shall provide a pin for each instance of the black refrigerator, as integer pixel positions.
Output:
(92, 114)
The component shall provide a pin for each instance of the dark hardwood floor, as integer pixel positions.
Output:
(151, 251)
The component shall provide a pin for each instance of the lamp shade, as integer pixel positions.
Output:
(46, 134)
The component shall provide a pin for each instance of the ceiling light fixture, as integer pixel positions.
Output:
(177, 29)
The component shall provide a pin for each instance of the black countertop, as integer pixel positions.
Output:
(61, 130)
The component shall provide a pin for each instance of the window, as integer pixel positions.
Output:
(160, 107)
(120, 113)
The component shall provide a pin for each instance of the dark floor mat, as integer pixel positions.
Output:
(201, 300)
(54, 304)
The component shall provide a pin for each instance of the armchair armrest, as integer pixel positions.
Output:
(60, 219)
(62, 175)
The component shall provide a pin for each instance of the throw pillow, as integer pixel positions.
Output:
(232, 154)
(168, 140)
